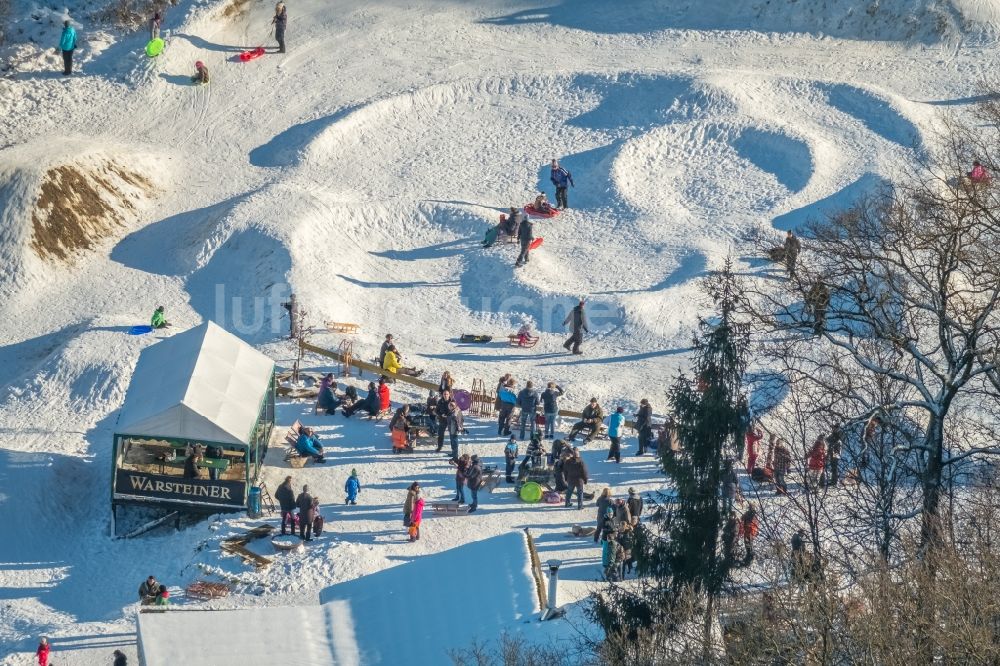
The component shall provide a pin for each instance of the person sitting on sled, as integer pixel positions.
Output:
(513, 222)
(523, 334)
(542, 204)
(200, 73)
(979, 175)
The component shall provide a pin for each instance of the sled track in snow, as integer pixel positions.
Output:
(654, 156)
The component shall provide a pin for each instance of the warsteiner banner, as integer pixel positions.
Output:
(158, 486)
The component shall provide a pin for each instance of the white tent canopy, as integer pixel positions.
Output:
(204, 384)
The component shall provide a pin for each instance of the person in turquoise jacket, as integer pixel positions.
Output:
(352, 488)
(615, 425)
(67, 43)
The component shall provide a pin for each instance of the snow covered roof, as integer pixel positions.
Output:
(203, 384)
(401, 615)
(313, 635)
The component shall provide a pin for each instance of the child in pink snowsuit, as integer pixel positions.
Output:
(523, 334)
(43, 652)
(415, 518)
(979, 175)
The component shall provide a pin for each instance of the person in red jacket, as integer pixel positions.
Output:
(43, 652)
(384, 404)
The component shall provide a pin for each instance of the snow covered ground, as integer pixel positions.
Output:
(360, 170)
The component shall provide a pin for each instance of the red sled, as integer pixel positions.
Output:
(531, 210)
(250, 55)
(536, 243)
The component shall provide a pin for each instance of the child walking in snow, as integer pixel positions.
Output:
(352, 488)
(43, 652)
(415, 518)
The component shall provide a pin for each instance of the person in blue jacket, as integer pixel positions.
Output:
(508, 400)
(615, 425)
(308, 445)
(352, 488)
(67, 43)
(561, 178)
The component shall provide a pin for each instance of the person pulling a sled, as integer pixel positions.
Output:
(525, 235)
(280, 20)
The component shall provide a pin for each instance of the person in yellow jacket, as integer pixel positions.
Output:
(390, 363)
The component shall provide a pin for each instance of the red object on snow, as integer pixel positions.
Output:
(530, 210)
(536, 243)
(250, 55)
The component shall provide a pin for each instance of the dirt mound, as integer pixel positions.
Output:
(79, 206)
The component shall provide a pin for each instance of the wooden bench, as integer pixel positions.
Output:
(237, 545)
(292, 456)
(515, 341)
(449, 508)
(342, 327)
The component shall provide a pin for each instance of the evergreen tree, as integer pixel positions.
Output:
(678, 550)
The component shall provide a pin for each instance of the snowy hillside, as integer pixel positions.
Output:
(360, 170)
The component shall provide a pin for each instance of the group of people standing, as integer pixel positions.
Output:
(821, 462)
(308, 519)
(617, 522)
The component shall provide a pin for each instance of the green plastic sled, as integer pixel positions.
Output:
(531, 492)
(155, 47)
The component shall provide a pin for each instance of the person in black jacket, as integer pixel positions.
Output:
(550, 407)
(280, 21)
(644, 425)
(305, 504)
(441, 411)
(525, 234)
(527, 400)
(120, 658)
(286, 500)
(474, 478)
(634, 503)
(385, 347)
(148, 590)
(577, 320)
(370, 404)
